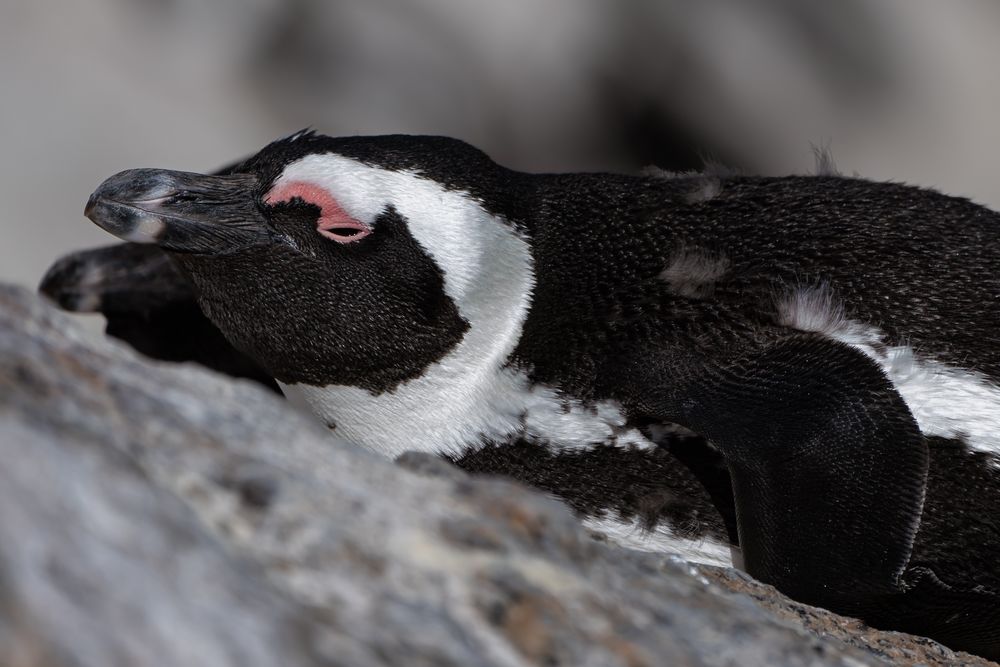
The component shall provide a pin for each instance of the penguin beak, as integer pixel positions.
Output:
(180, 211)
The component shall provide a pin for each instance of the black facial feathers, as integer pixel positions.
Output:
(371, 316)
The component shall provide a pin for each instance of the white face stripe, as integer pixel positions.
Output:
(466, 242)
(469, 395)
(945, 401)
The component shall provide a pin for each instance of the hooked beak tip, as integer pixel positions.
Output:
(88, 210)
(179, 211)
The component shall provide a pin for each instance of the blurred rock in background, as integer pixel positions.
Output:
(901, 89)
(157, 515)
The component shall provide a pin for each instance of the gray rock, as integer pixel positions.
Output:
(163, 515)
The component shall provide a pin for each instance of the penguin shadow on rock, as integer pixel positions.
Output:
(800, 370)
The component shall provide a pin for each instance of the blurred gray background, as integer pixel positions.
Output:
(906, 90)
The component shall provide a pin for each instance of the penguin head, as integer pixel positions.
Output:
(353, 261)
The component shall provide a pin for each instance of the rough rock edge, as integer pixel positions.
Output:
(336, 556)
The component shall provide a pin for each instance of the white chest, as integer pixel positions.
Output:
(449, 412)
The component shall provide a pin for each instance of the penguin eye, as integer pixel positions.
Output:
(334, 223)
(343, 230)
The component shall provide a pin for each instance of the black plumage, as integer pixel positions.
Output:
(665, 295)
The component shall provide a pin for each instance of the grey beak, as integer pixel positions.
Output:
(180, 211)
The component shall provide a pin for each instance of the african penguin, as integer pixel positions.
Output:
(803, 367)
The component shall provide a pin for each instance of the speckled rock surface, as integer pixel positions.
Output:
(162, 515)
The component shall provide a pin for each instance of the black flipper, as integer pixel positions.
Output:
(148, 303)
(966, 620)
(829, 472)
(828, 467)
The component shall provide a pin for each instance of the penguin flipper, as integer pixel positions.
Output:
(148, 303)
(828, 467)
(965, 620)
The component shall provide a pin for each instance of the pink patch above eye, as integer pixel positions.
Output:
(334, 223)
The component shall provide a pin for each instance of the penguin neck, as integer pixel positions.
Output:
(470, 395)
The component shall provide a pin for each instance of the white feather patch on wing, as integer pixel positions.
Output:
(469, 395)
(693, 273)
(661, 539)
(945, 400)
